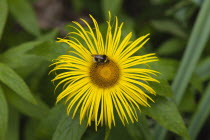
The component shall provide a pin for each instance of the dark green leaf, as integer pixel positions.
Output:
(188, 102)
(49, 50)
(48, 124)
(30, 130)
(3, 15)
(170, 47)
(13, 130)
(37, 110)
(25, 15)
(169, 27)
(119, 132)
(140, 130)
(203, 69)
(69, 128)
(202, 113)
(166, 114)
(114, 6)
(3, 115)
(15, 82)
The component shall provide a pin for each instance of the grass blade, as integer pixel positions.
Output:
(201, 114)
(196, 44)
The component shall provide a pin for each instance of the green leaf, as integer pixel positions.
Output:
(15, 82)
(3, 15)
(114, 6)
(167, 70)
(169, 26)
(25, 15)
(30, 130)
(37, 110)
(203, 69)
(166, 114)
(20, 53)
(188, 102)
(195, 46)
(13, 130)
(49, 123)
(69, 128)
(50, 50)
(171, 46)
(140, 130)
(3, 115)
(201, 114)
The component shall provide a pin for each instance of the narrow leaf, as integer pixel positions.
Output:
(13, 130)
(3, 15)
(23, 12)
(15, 82)
(201, 114)
(196, 43)
(203, 69)
(3, 115)
(37, 110)
(198, 38)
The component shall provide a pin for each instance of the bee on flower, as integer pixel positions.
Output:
(103, 77)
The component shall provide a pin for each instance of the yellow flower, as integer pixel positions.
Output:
(101, 75)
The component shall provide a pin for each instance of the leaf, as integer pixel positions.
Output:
(114, 6)
(49, 123)
(3, 15)
(20, 52)
(201, 114)
(23, 12)
(171, 46)
(3, 115)
(169, 26)
(188, 102)
(195, 46)
(49, 50)
(37, 110)
(69, 128)
(203, 69)
(13, 131)
(119, 132)
(140, 130)
(30, 130)
(166, 113)
(15, 82)
(167, 71)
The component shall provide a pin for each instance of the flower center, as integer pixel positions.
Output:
(104, 75)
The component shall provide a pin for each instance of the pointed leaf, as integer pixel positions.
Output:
(166, 113)
(37, 110)
(25, 15)
(10, 78)
(69, 129)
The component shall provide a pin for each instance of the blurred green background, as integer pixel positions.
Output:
(179, 32)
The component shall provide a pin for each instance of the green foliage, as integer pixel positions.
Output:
(69, 128)
(25, 15)
(3, 15)
(166, 113)
(179, 32)
(3, 115)
(10, 78)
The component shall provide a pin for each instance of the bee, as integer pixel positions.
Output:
(100, 59)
